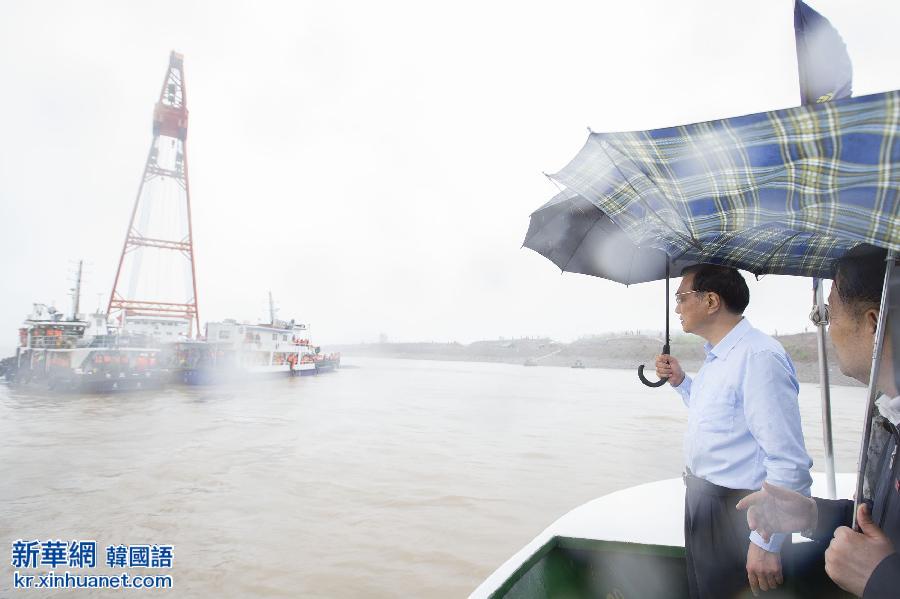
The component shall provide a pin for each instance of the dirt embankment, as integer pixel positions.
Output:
(607, 351)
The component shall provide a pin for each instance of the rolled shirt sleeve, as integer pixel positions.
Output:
(773, 417)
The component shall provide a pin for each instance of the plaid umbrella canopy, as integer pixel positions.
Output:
(781, 192)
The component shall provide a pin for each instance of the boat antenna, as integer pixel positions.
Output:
(76, 292)
(271, 309)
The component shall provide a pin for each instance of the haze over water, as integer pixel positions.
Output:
(398, 478)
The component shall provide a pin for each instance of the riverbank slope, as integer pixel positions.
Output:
(606, 351)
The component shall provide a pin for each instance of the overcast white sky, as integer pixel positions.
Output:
(375, 164)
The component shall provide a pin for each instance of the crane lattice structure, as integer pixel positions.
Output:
(164, 191)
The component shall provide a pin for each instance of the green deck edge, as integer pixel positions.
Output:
(586, 544)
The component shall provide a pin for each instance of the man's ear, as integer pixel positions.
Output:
(870, 321)
(713, 302)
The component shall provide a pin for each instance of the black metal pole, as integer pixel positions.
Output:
(873, 385)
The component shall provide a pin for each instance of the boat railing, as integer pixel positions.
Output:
(53, 342)
(119, 341)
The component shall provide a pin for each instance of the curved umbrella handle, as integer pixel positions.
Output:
(648, 382)
(665, 350)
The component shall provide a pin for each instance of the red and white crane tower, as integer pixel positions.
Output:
(156, 283)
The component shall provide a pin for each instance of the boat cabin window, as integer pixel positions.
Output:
(274, 336)
(224, 334)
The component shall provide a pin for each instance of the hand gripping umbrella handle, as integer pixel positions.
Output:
(648, 382)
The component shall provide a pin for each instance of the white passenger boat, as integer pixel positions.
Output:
(234, 350)
(277, 347)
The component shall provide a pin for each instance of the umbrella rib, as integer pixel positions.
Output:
(681, 255)
(684, 237)
(775, 251)
(558, 186)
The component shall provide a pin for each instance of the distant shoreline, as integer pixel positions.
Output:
(623, 352)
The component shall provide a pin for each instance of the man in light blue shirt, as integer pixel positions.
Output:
(743, 429)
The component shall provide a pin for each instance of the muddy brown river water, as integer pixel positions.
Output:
(392, 478)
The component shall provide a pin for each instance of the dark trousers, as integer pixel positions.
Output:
(716, 539)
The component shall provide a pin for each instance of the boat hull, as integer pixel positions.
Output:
(83, 383)
(213, 376)
(87, 369)
(327, 365)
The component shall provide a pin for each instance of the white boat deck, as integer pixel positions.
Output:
(651, 514)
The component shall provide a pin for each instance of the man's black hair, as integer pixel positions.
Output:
(725, 281)
(859, 277)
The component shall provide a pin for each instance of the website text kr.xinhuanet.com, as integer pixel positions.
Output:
(52, 580)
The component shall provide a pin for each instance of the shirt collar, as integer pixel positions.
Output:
(723, 347)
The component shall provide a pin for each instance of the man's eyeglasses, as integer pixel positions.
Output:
(679, 296)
